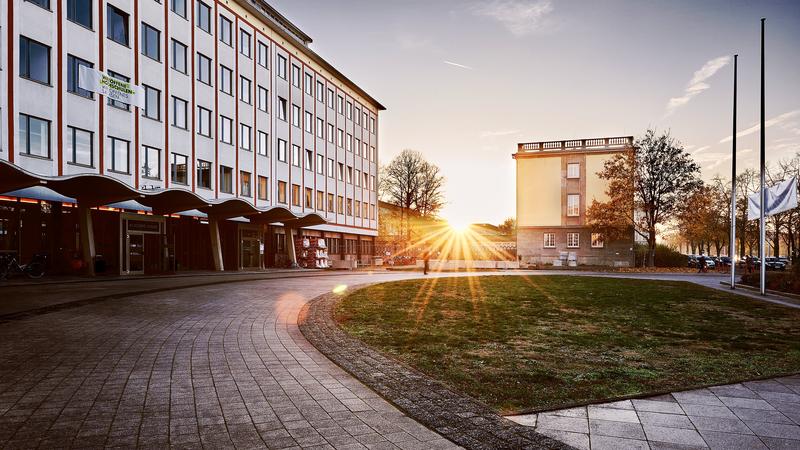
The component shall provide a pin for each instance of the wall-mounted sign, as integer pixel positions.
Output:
(113, 88)
(144, 226)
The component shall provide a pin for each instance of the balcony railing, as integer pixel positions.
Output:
(576, 144)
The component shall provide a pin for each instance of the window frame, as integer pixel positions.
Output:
(125, 19)
(146, 159)
(573, 210)
(577, 236)
(113, 146)
(202, 6)
(146, 108)
(173, 168)
(71, 133)
(74, 64)
(175, 101)
(597, 237)
(203, 167)
(27, 150)
(184, 61)
(72, 17)
(25, 65)
(548, 243)
(145, 38)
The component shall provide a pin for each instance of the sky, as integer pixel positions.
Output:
(465, 81)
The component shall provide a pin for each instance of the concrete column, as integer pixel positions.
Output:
(290, 246)
(88, 251)
(216, 245)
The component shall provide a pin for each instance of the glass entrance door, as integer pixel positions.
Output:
(135, 253)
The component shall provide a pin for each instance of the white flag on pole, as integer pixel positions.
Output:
(781, 197)
(113, 88)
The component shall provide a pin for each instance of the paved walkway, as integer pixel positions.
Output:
(757, 415)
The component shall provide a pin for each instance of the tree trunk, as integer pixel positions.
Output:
(651, 248)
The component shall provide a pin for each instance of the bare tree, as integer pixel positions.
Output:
(646, 187)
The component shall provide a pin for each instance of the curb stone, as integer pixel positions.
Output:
(458, 417)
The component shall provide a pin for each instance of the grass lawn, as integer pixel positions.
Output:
(539, 342)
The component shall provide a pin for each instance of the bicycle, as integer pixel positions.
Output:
(34, 269)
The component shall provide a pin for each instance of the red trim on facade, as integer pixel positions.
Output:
(166, 94)
(193, 61)
(237, 174)
(60, 94)
(215, 175)
(136, 82)
(254, 130)
(10, 87)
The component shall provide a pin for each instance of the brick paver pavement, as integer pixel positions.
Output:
(215, 366)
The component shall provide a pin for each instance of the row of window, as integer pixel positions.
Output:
(573, 240)
(80, 12)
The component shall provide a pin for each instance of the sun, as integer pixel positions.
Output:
(458, 226)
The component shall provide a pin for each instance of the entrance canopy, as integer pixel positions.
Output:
(93, 190)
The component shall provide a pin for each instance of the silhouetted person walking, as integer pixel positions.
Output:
(426, 257)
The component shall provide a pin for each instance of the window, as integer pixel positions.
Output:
(349, 206)
(282, 108)
(263, 143)
(366, 211)
(330, 98)
(597, 240)
(357, 147)
(120, 154)
(366, 180)
(309, 198)
(282, 192)
(296, 155)
(42, 3)
(549, 240)
(203, 174)
(263, 55)
(263, 188)
(73, 68)
(372, 182)
(340, 104)
(244, 184)
(330, 203)
(320, 91)
(179, 113)
(320, 164)
(263, 98)
(357, 209)
(178, 7)
(309, 85)
(116, 103)
(340, 205)
(308, 123)
(179, 57)
(225, 80)
(117, 23)
(244, 89)
(309, 160)
(357, 178)
(349, 175)
(330, 133)
(320, 128)
(573, 205)
(80, 12)
(34, 60)
(225, 30)
(34, 135)
(81, 146)
(226, 179)
(349, 110)
(225, 129)
(372, 125)
(244, 43)
(357, 116)
(203, 69)
(341, 171)
(282, 151)
(203, 121)
(372, 153)
(573, 170)
(295, 116)
(330, 167)
(364, 151)
(178, 169)
(152, 102)
(320, 200)
(295, 195)
(348, 143)
(151, 42)
(282, 66)
(339, 137)
(295, 76)
(204, 17)
(366, 118)
(244, 136)
(151, 163)
(573, 240)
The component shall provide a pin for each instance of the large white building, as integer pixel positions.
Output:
(237, 106)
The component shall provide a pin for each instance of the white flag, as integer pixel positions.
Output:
(781, 197)
(113, 88)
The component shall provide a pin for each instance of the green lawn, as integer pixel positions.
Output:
(539, 342)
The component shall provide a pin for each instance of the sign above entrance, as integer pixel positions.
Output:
(113, 88)
(144, 226)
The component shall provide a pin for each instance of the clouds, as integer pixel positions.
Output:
(520, 17)
(784, 120)
(698, 83)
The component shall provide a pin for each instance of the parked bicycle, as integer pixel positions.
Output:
(34, 269)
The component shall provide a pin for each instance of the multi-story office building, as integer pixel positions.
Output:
(239, 132)
(556, 183)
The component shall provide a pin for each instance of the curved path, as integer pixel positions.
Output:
(217, 365)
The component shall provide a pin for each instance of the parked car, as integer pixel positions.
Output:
(724, 261)
(694, 261)
(772, 263)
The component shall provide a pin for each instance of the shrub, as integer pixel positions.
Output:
(776, 281)
(665, 256)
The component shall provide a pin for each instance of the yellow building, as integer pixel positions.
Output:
(556, 183)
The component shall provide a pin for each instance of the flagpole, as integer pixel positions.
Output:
(732, 252)
(763, 230)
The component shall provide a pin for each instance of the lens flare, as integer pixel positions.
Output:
(340, 289)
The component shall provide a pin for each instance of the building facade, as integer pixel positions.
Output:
(556, 183)
(237, 110)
